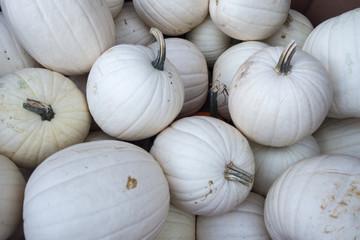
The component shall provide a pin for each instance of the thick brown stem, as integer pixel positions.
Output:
(237, 174)
(283, 66)
(44, 110)
(159, 62)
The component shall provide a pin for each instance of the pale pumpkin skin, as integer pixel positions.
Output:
(172, 17)
(114, 6)
(12, 186)
(340, 136)
(27, 139)
(64, 36)
(270, 162)
(279, 109)
(297, 27)
(12, 55)
(225, 68)
(245, 221)
(316, 198)
(96, 190)
(130, 28)
(249, 20)
(191, 64)
(179, 225)
(340, 34)
(194, 153)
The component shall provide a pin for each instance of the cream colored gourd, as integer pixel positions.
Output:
(245, 221)
(114, 6)
(191, 64)
(208, 163)
(270, 162)
(297, 27)
(316, 198)
(12, 55)
(341, 136)
(279, 103)
(179, 225)
(129, 27)
(249, 20)
(172, 17)
(12, 185)
(129, 96)
(63, 36)
(225, 68)
(41, 112)
(75, 191)
(210, 39)
(335, 42)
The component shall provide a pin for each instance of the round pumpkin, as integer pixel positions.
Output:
(96, 190)
(41, 112)
(208, 163)
(63, 36)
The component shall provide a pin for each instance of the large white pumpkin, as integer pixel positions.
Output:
(133, 92)
(96, 190)
(316, 198)
(335, 43)
(65, 36)
(208, 163)
(279, 96)
(62, 118)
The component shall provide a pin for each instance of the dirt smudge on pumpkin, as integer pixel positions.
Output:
(131, 183)
(283, 36)
(211, 183)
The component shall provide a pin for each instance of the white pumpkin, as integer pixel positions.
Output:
(316, 198)
(130, 28)
(245, 221)
(270, 162)
(249, 20)
(172, 17)
(96, 190)
(210, 39)
(208, 163)
(129, 96)
(225, 68)
(297, 27)
(279, 103)
(114, 6)
(340, 136)
(41, 112)
(12, 185)
(12, 55)
(179, 225)
(335, 42)
(64, 36)
(191, 64)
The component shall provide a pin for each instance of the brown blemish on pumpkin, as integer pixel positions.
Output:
(217, 2)
(131, 183)
(283, 36)
(343, 203)
(170, 75)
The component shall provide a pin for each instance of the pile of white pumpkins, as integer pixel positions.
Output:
(104, 132)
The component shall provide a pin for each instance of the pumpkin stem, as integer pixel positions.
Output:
(215, 86)
(44, 110)
(288, 20)
(236, 174)
(283, 67)
(158, 63)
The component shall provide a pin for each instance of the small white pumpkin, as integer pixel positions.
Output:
(114, 6)
(105, 189)
(12, 55)
(208, 163)
(172, 17)
(12, 185)
(245, 221)
(340, 136)
(297, 27)
(41, 112)
(335, 43)
(210, 39)
(279, 96)
(191, 64)
(64, 36)
(133, 93)
(270, 162)
(249, 20)
(316, 198)
(225, 68)
(130, 28)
